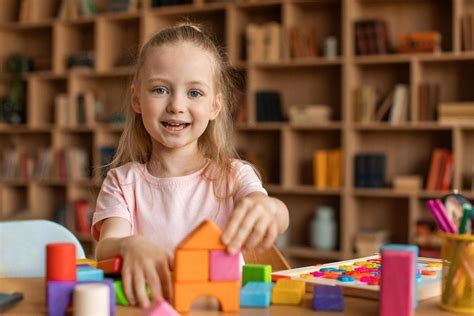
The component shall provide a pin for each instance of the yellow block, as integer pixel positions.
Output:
(307, 276)
(288, 292)
(90, 262)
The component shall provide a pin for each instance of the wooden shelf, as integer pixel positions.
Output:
(281, 150)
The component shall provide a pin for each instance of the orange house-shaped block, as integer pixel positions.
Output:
(192, 271)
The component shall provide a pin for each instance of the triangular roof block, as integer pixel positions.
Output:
(205, 236)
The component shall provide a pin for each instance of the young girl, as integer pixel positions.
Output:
(175, 167)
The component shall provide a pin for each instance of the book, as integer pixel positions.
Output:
(383, 110)
(321, 169)
(399, 110)
(272, 41)
(255, 35)
(466, 26)
(434, 175)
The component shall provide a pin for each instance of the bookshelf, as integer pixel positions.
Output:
(282, 150)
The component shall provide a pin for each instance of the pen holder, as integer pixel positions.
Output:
(457, 253)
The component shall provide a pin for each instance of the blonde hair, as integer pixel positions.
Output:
(216, 142)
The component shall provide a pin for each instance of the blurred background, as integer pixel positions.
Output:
(354, 111)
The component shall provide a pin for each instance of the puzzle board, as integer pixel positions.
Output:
(428, 285)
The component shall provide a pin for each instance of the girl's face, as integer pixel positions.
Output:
(176, 95)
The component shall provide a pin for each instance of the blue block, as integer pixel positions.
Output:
(89, 274)
(256, 294)
(413, 249)
(328, 298)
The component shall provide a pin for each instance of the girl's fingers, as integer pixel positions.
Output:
(153, 281)
(165, 278)
(235, 222)
(269, 239)
(244, 230)
(257, 234)
(127, 284)
(140, 289)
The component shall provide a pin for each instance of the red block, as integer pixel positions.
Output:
(111, 266)
(61, 262)
(396, 292)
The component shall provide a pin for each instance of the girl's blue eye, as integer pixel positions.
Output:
(160, 90)
(195, 93)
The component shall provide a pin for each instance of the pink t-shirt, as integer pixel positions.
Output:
(166, 210)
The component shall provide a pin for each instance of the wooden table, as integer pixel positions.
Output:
(33, 303)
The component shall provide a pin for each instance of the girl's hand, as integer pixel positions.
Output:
(144, 264)
(254, 222)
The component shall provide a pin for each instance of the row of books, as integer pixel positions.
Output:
(86, 109)
(46, 163)
(81, 210)
(327, 166)
(440, 172)
(372, 106)
(271, 42)
(467, 26)
(369, 169)
(268, 106)
(456, 112)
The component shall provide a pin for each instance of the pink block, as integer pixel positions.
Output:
(224, 267)
(160, 308)
(396, 292)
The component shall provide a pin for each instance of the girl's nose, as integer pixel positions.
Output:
(175, 105)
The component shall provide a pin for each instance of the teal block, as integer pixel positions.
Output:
(256, 272)
(256, 294)
(89, 274)
(413, 249)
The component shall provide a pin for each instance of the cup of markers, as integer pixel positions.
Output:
(457, 253)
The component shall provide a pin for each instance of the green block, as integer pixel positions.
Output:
(257, 273)
(120, 297)
(119, 294)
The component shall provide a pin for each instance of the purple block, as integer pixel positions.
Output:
(328, 298)
(224, 267)
(59, 295)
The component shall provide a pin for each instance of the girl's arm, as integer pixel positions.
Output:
(257, 220)
(143, 263)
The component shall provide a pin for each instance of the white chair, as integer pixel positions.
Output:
(23, 246)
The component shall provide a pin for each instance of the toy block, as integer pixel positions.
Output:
(184, 294)
(160, 308)
(224, 267)
(414, 250)
(58, 296)
(110, 285)
(191, 265)
(398, 276)
(61, 262)
(257, 273)
(86, 261)
(87, 273)
(205, 236)
(119, 294)
(288, 292)
(328, 298)
(91, 299)
(111, 266)
(256, 294)
(276, 277)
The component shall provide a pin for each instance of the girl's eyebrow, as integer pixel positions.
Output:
(202, 83)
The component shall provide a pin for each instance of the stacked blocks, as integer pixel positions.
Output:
(256, 272)
(328, 298)
(288, 292)
(61, 277)
(398, 294)
(414, 250)
(160, 308)
(87, 273)
(256, 294)
(201, 270)
(111, 266)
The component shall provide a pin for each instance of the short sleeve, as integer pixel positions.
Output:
(247, 181)
(110, 203)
